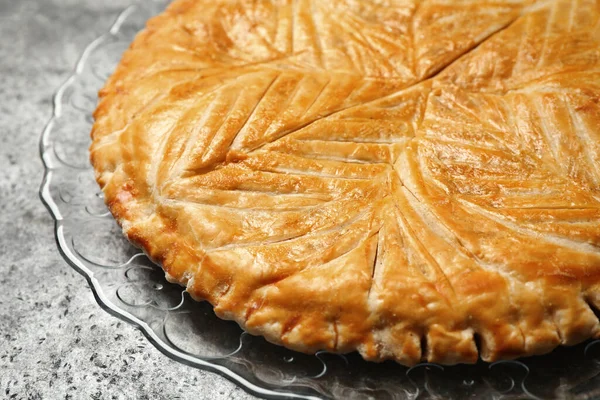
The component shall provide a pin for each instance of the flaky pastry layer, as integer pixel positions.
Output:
(415, 180)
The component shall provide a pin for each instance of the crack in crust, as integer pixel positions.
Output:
(415, 181)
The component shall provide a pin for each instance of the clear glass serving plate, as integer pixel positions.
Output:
(127, 285)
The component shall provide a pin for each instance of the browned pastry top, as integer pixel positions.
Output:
(415, 180)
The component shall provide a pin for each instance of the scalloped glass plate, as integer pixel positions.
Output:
(126, 284)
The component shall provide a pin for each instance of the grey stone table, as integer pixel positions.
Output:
(55, 341)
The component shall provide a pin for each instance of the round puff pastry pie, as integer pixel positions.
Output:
(414, 180)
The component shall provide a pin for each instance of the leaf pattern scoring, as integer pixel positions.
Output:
(415, 180)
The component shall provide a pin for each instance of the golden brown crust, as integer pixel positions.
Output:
(412, 180)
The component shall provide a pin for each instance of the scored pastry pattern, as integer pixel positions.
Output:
(413, 181)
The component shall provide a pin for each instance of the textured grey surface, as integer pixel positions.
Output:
(55, 341)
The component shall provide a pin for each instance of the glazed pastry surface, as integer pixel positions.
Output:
(414, 180)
